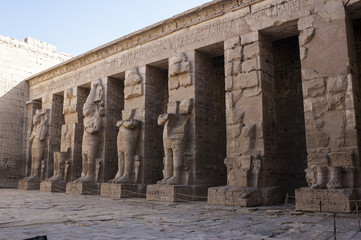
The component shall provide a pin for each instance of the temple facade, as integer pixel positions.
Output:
(240, 102)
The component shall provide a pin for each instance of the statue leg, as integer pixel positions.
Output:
(178, 154)
(83, 164)
(168, 165)
(90, 176)
(120, 167)
(35, 168)
(56, 165)
(128, 167)
(84, 167)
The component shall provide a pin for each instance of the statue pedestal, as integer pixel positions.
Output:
(177, 193)
(82, 188)
(326, 200)
(26, 184)
(244, 196)
(52, 186)
(121, 190)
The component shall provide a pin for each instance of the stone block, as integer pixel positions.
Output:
(305, 22)
(245, 80)
(53, 186)
(232, 43)
(116, 190)
(250, 65)
(233, 54)
(177, 193)
(82, 188)
(325, 200)
(314, 87)
(318, 160)
(234, 196)
(336, 84)
(251, 50)
(249, 38)
(25, 184)
(185, 79)
(342, 159)
(172, 107)
(185, 106)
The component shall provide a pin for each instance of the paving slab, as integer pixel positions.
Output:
(25, 214)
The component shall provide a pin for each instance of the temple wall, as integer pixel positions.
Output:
(288, 117)
(18, 60)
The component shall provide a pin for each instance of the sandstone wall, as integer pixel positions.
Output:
(290, 100)
(18, 60)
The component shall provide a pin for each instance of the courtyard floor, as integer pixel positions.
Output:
(26, 214)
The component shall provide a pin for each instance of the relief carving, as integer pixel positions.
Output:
(175, 133)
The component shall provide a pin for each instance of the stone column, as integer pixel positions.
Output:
(184, 124)
(128, 166)
(67, 157)
(114, 101)
(56, 120)
(248, 98)
(329, 90)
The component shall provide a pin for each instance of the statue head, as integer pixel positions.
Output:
(36, 119)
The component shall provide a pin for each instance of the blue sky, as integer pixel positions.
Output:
(77, 26)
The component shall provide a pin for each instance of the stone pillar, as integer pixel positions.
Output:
(184, 132)
(248, 95)
(91, 141)
(67, 158)
(114, 101)
(128, 109)
(56, 120)
(329, 102)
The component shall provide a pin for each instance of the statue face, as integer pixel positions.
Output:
(36, 119)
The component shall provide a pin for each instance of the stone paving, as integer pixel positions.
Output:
(26, 214)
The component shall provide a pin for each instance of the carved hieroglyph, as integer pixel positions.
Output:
(175, 133)
(39, 143)
(128, 162)
(93, 111)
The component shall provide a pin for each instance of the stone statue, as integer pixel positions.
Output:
(92, 111)
(126, 144)
(60, 162)
(320, 177)
(175, 131)
(39, 143)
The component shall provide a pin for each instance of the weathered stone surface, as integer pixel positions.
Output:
(290, 116)
(53, 186)
(176, 193)
(26, 184)
(18, 60)
(320, 200)
(115, 190)
(82, 188)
